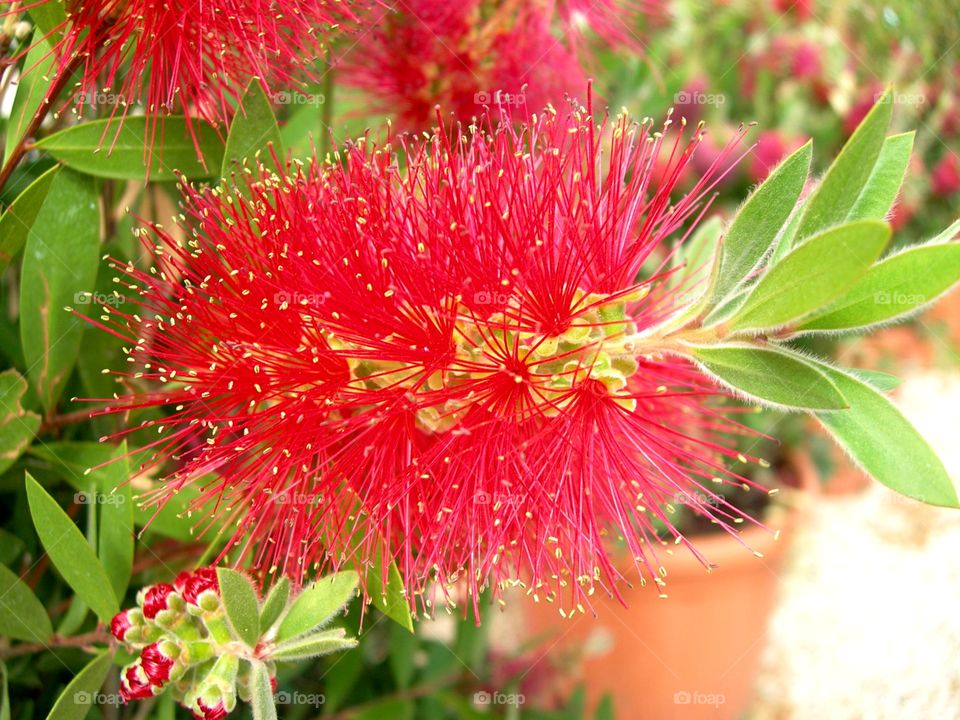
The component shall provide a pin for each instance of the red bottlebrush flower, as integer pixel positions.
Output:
(467, 55)
(120, 624)
(134, 683)
(155, 599)
(430, 365)
(192, 56)
(945, 178)
(156, 665)
(807, 63)
(192, 584)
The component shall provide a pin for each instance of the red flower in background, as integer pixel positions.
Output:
(433, 365)
(945, 178)
(771, 147)
(466, 55)
(191, 56)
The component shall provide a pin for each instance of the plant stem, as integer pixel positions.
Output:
(23, 144)
(84, 641)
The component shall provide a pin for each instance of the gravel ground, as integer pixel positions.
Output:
(868, 625)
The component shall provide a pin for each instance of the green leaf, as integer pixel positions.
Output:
(834, 198)
(275, 603)
(119, 151)
(770, 375)
(49, 16)
(60, 263)
(32, 89)
(605, 709)
(883, 186)
(16, 222)
(109, 489)
(812, 276)
(4, 694)
(17, 426)
(317, 604)
(389, 598)
(885, 445)
(884, 382)
(692, 256)
(947, 235)
(759, 220)
(401, 655)
(313, 645)
(77, 698)
(897, 286)
(261, 693)
(70, 552)
(240, 602)
(253, 130)
(22, 616)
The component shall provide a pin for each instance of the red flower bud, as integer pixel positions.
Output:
(120, 624)
(209, 712)
(155, 599)
(156, 665)
(133, 683)
(191, 585)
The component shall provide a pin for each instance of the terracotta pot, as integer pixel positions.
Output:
(694, 654)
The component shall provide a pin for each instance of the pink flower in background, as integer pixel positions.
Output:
(945, 178)
(771, 147)
(513, 56)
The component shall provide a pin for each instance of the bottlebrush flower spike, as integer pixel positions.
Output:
(431, 364)
(191, 56)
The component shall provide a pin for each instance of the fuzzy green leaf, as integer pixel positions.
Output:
(261, 693)
(253, 130)
(275, 603)
(759, 220)
(120, 150)
(77, 698)
(70, 552)
(880, 192)
(240, 602)
(17, 426)
(16, 221)
(60, 263)
(389, 597)
(884, 443)
(835, 196)
(884, 382)
(313, 645)
(317, 604)
(812, 276)
(22, 616)
(770, 375)
(896, 287)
